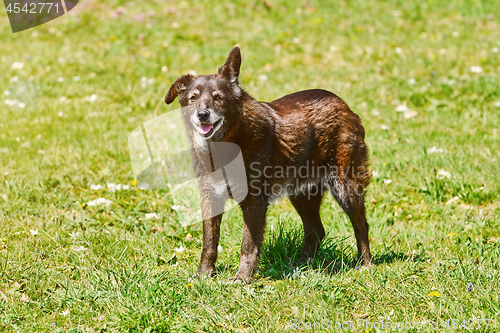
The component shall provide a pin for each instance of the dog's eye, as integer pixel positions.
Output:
(218, 97)
(192, 98)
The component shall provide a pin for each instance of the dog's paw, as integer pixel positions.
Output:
(363, 263)
(241, 278)
(236, 280)
(362, 266)
(306, 259)
(204, 273)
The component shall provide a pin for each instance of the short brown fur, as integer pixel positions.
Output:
(308, 129)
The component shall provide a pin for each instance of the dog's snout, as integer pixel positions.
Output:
(203, 114)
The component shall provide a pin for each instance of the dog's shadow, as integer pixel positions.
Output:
(282, 249)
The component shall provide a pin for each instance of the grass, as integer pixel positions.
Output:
(111, 269)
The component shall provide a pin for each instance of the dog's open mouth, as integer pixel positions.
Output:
(207, 130)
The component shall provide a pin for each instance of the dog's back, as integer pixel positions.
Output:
(315, 128)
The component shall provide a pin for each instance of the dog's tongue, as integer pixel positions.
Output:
(205, 128)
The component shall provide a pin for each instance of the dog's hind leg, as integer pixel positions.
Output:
(308, 205)
(348, 186)
(353, 203)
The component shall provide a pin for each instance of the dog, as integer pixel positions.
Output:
(299, 145)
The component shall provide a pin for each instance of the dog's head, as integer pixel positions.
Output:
(210, 102)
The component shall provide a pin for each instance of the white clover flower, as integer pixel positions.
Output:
(21, 105)
(79, 248)
(111, 187)
(11, 102)
(442, 174)
(125, 187)
(176, 207)
(34, 232)
(403, 108)
(476, 69)
(263, 77)
(433, 150)
(455, 34)
(100, 201)
(151, 81)
(93, 98)
(74, 235)
(495, 50)
(410, 114)
(60, 79)
(398, 50)
(6, 92)
(17, 65)
(219, 248)
(387, 181)
(453, 200)
(375, 173)
(61, 114)
(179, 249)
(151, 216)
(296, 40)
(62, 99)
(412, 81)
(95, 187)
(250, 291)
(497, 104)
(385, 127)
(76, 78)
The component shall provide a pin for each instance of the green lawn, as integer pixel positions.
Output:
(73, 92)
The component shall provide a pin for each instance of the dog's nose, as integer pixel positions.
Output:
(203, 114)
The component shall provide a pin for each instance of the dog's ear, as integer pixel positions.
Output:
(178, 86)
(231, 69)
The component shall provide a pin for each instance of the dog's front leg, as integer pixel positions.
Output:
(212, 208)
(254, 215)
(211, 233)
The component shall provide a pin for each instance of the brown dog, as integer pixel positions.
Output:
(298, 145)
